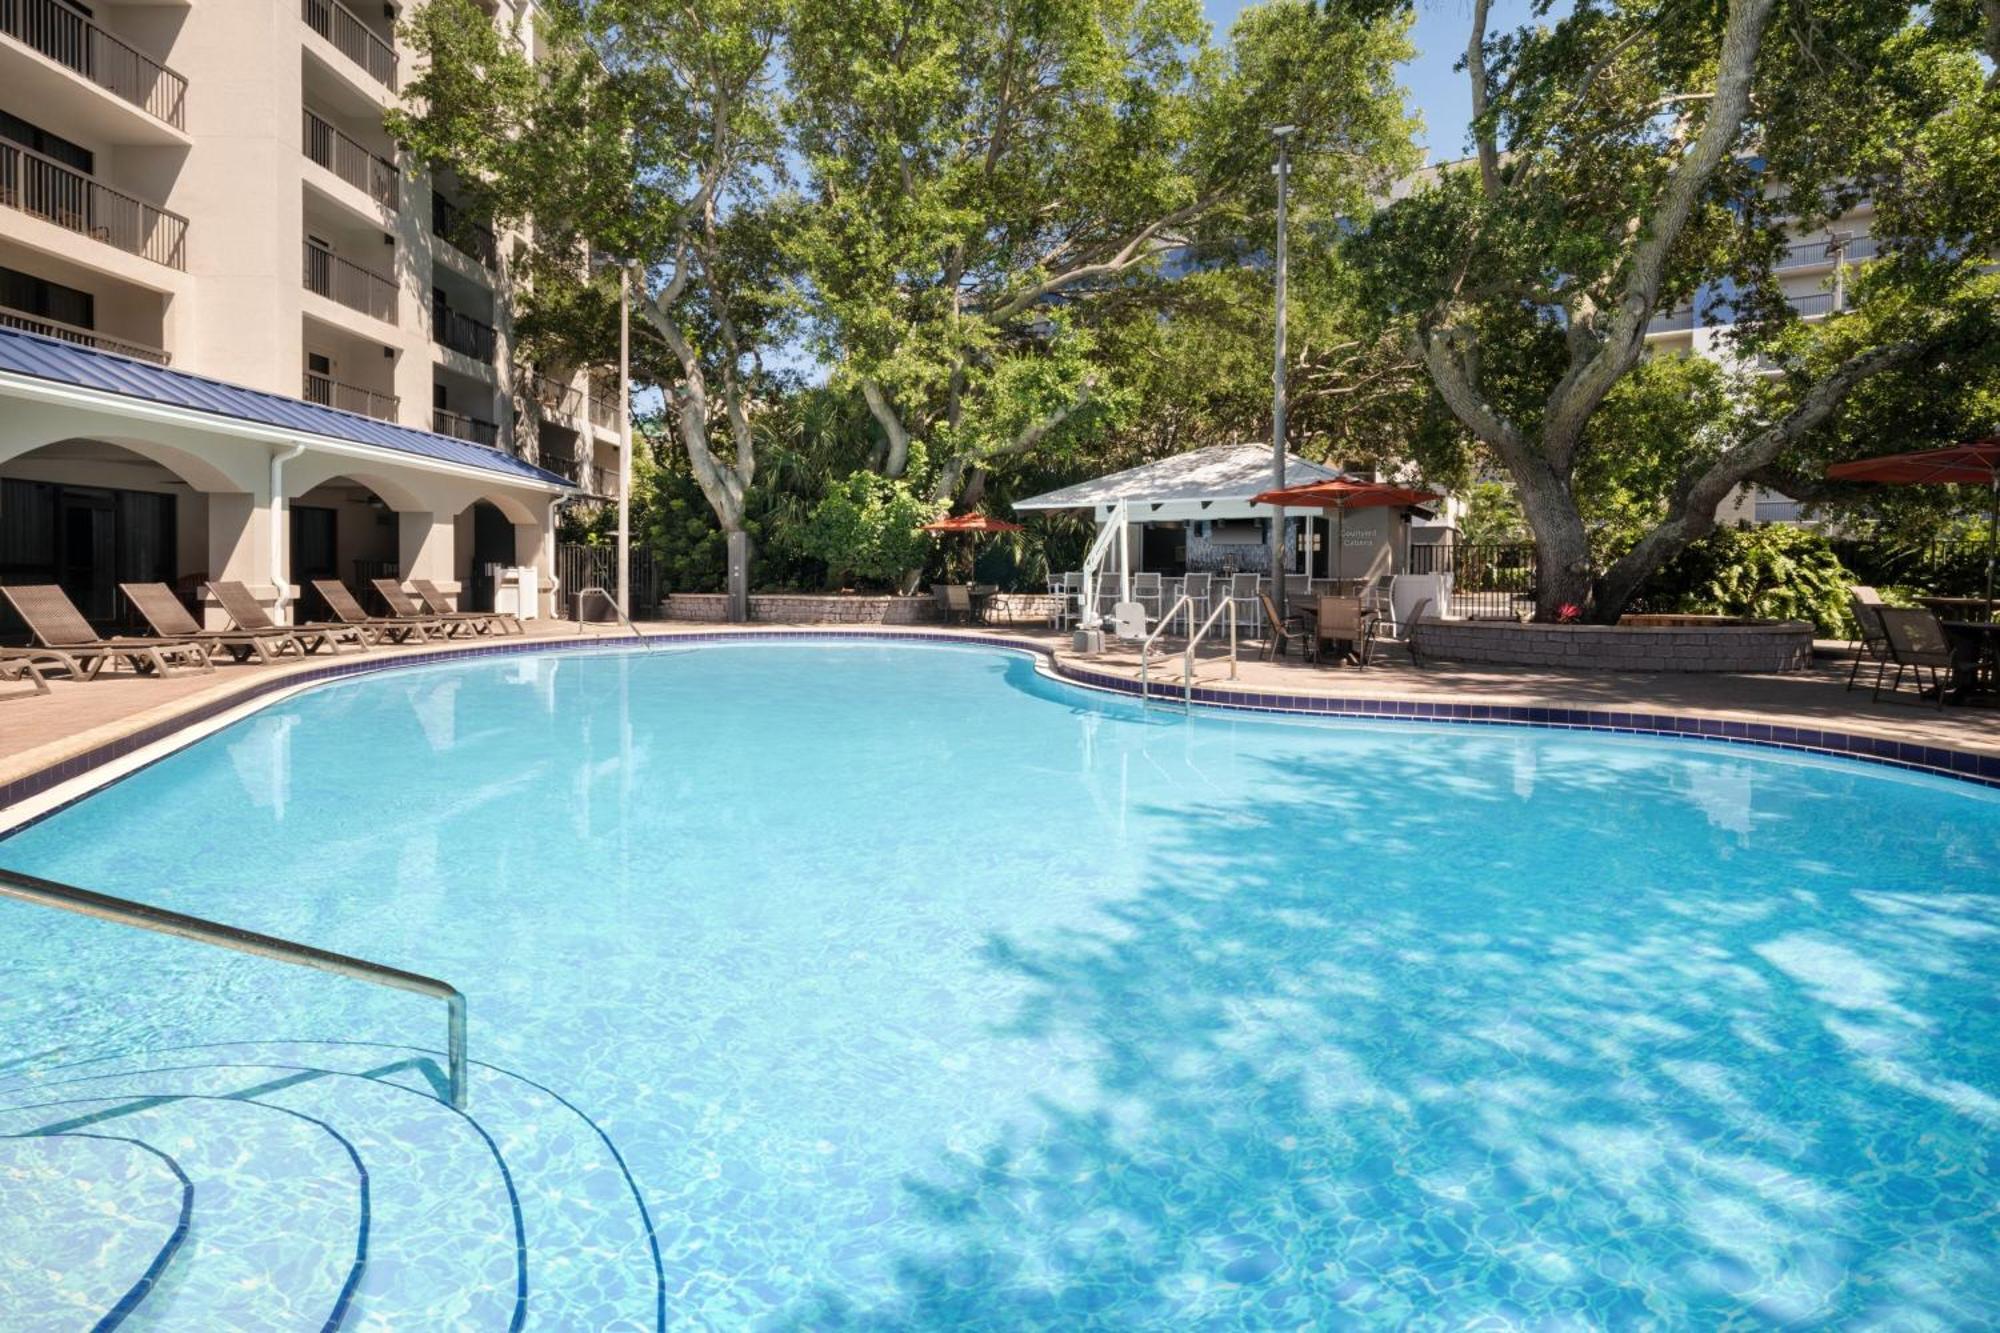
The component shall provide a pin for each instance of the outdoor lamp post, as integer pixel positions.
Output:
(1283, 134)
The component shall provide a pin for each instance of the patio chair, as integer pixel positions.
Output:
(1283, 630)
(958, 602)
(1873, 643)
(1199, 589)
(1347, 620)
(438, 604)
(451, 623)
(23, 664)
(246, 613)
(1248, 592)
(1918, 644)
(1146, 591)
(1062, 607)
(69, 642)
(397, 629)
(169, 619)
(1387, 629)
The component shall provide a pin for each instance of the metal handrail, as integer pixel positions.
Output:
(1194, 641)
(610, 601)
(11, 318)
(1146, 648)
(57, 193)
(104, 907)
(121, 69)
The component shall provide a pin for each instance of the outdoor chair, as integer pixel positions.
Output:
(397, 629)
(1199, 591)
(18, 665)
(1247, 590)
(246, 613)
(169, 619)
(958, 602)
(70, 643)
(1146, 591)
(1873, 643)
(435, 602)
(1284, 629)
(1346, 620)
(1918, 644)
(1388, 629)
(452, 623)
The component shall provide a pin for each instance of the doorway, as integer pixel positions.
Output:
(314, 546)
(492, 547)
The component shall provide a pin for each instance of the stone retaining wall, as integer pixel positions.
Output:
(784, 608)
(1771, 646)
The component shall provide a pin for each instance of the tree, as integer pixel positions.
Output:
(642, 130)
(1633, 154)
(988, 185)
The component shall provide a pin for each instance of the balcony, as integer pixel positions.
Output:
(43, 187)
(372, 175)
(352, 38)
(462, 334)
(1840, 249)
(1672, 321)
(330, 392)
(70, 333)
(1812, 305)
(461, 427)
(74, 42)
(345, 281)
(604, 405)
(474, 240)
(550, 396)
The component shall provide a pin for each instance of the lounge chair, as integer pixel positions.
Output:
(1865, 605)
(245, 612)
(397, 629)
(69, 642)
(451, 624)
(23, 664)
(435, 602)
(169, 619)
(1283, 630)
(1918, 644)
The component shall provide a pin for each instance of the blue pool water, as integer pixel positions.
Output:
(915, 991)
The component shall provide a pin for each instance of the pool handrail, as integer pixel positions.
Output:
(162, 921)
(609, 601)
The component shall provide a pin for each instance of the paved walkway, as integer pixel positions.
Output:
(76, 718)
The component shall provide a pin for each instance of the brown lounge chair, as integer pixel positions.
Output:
(168, 618)
(246, 613)
(438, 604)
(23, 664)
(456, 624)
(397, 629)
(68, 640)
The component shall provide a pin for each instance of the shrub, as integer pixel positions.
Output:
(867, 528)
(1776, 572)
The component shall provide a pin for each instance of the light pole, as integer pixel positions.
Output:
(624, 441)
(1283, 134)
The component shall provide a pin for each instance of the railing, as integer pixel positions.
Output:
(71, 40)
(372, 175)
(462, 333)
(470, 238)
(605, 409)
(45, 188)
(120, 911)
(347, 282)
(581, 567)
(1673, 321)
(70, 333)
(461, 427)
(1827, 250)
(330, 392)
(563, 399)
(1814, 304)
(610, 603)
(1489, 581)
(352, 38)
(603, 481)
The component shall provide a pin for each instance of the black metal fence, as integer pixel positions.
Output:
(579, 567)
(1488, 581)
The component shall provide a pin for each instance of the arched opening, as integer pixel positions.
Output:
(342, 529)
(487, 540)
(89, 514)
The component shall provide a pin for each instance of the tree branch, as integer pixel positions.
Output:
(897, 460)
(1475, 69)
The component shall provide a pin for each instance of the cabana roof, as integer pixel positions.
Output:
(1229, 473)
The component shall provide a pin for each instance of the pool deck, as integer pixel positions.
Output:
(79, 725)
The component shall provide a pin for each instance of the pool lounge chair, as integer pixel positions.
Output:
(246, 613)
(397, 629)
(452, 624)
(1918, 644)
(1865, 605)
(23, 664)
(168, 618)
(438, 604)
(67, 640)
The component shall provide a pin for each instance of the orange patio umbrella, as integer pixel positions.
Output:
(1341, 495)
(975, 524)
(1975, 463)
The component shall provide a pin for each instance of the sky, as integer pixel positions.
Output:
(1439, 36)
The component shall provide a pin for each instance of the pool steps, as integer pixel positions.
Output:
(515, 1214)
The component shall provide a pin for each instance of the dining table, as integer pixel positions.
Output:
(1975, 657)
(1961, 609)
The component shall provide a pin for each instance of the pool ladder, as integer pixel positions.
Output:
(104, 907)
(609, 601)
(1187, 654)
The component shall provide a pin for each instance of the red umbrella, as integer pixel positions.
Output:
(975, 524)
(1976, 463)
(1341, 495)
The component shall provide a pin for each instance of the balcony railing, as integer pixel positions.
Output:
(347, 282)
(11, 318)
(603, 481)
(73, 41)
(1847, 249)
(551, 396)
(351, 37)
(1673, 321)
(604, 405)
(372, 175)
(470, 238)
(47, 189)
(462, 334)
(461, 427)
(1812, 305)
(330, 392)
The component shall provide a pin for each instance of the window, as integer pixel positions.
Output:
(51, 300)
(39, 140)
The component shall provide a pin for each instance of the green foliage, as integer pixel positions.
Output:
(1492, 515)
(865, 527)
(1776, 572)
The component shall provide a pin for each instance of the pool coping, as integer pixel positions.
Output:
(1962, 765)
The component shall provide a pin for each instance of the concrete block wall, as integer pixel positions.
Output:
(1775, 646)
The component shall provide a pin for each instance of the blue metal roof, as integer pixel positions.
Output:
(87, 367)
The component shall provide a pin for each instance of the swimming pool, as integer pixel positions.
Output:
(889, 986)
